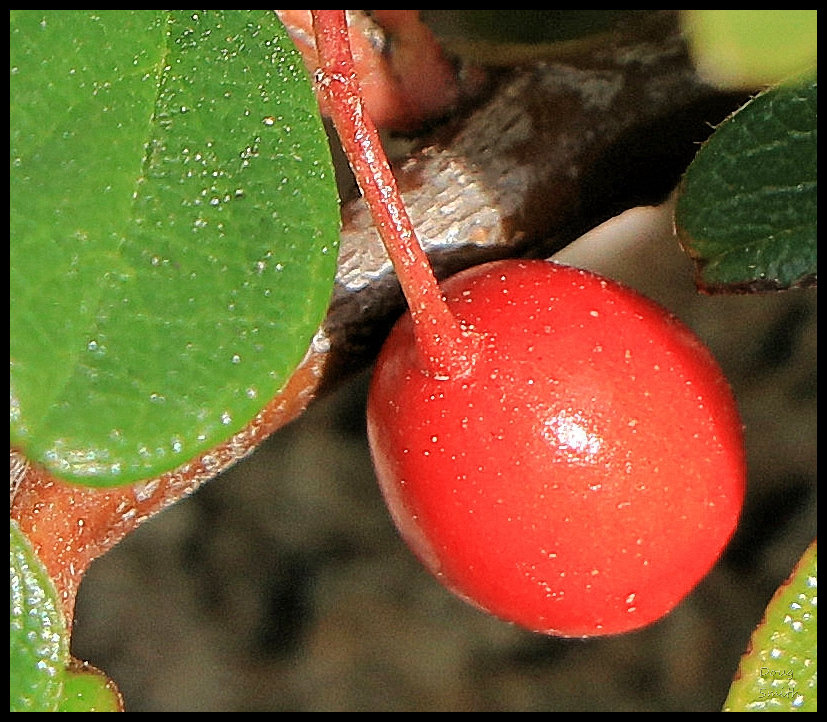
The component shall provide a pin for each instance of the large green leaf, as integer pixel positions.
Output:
(174, 222)
(38, 640)
(779, 671)
(747, 211)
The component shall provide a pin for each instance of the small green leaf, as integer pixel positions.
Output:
(40, 679)
(751, 48)
(88, 690)
(174, 224)
(38, 640)
(778, 673)
(747, 210)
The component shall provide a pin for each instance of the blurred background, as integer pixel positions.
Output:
(282, 585)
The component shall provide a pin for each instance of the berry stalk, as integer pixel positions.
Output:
(440, 338)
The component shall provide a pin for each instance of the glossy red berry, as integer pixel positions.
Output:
(586, 471)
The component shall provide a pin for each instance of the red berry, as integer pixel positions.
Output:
(584, 474)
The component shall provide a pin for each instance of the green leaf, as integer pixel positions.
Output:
(778, 673)
(747, 209)
(88, 690)
(39, 677)
(174, 224)
(38, 640)
(751, 48)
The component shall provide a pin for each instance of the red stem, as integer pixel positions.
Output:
(439, 337)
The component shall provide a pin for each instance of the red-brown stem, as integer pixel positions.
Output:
(439, 337)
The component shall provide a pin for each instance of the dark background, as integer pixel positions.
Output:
(283, 586)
